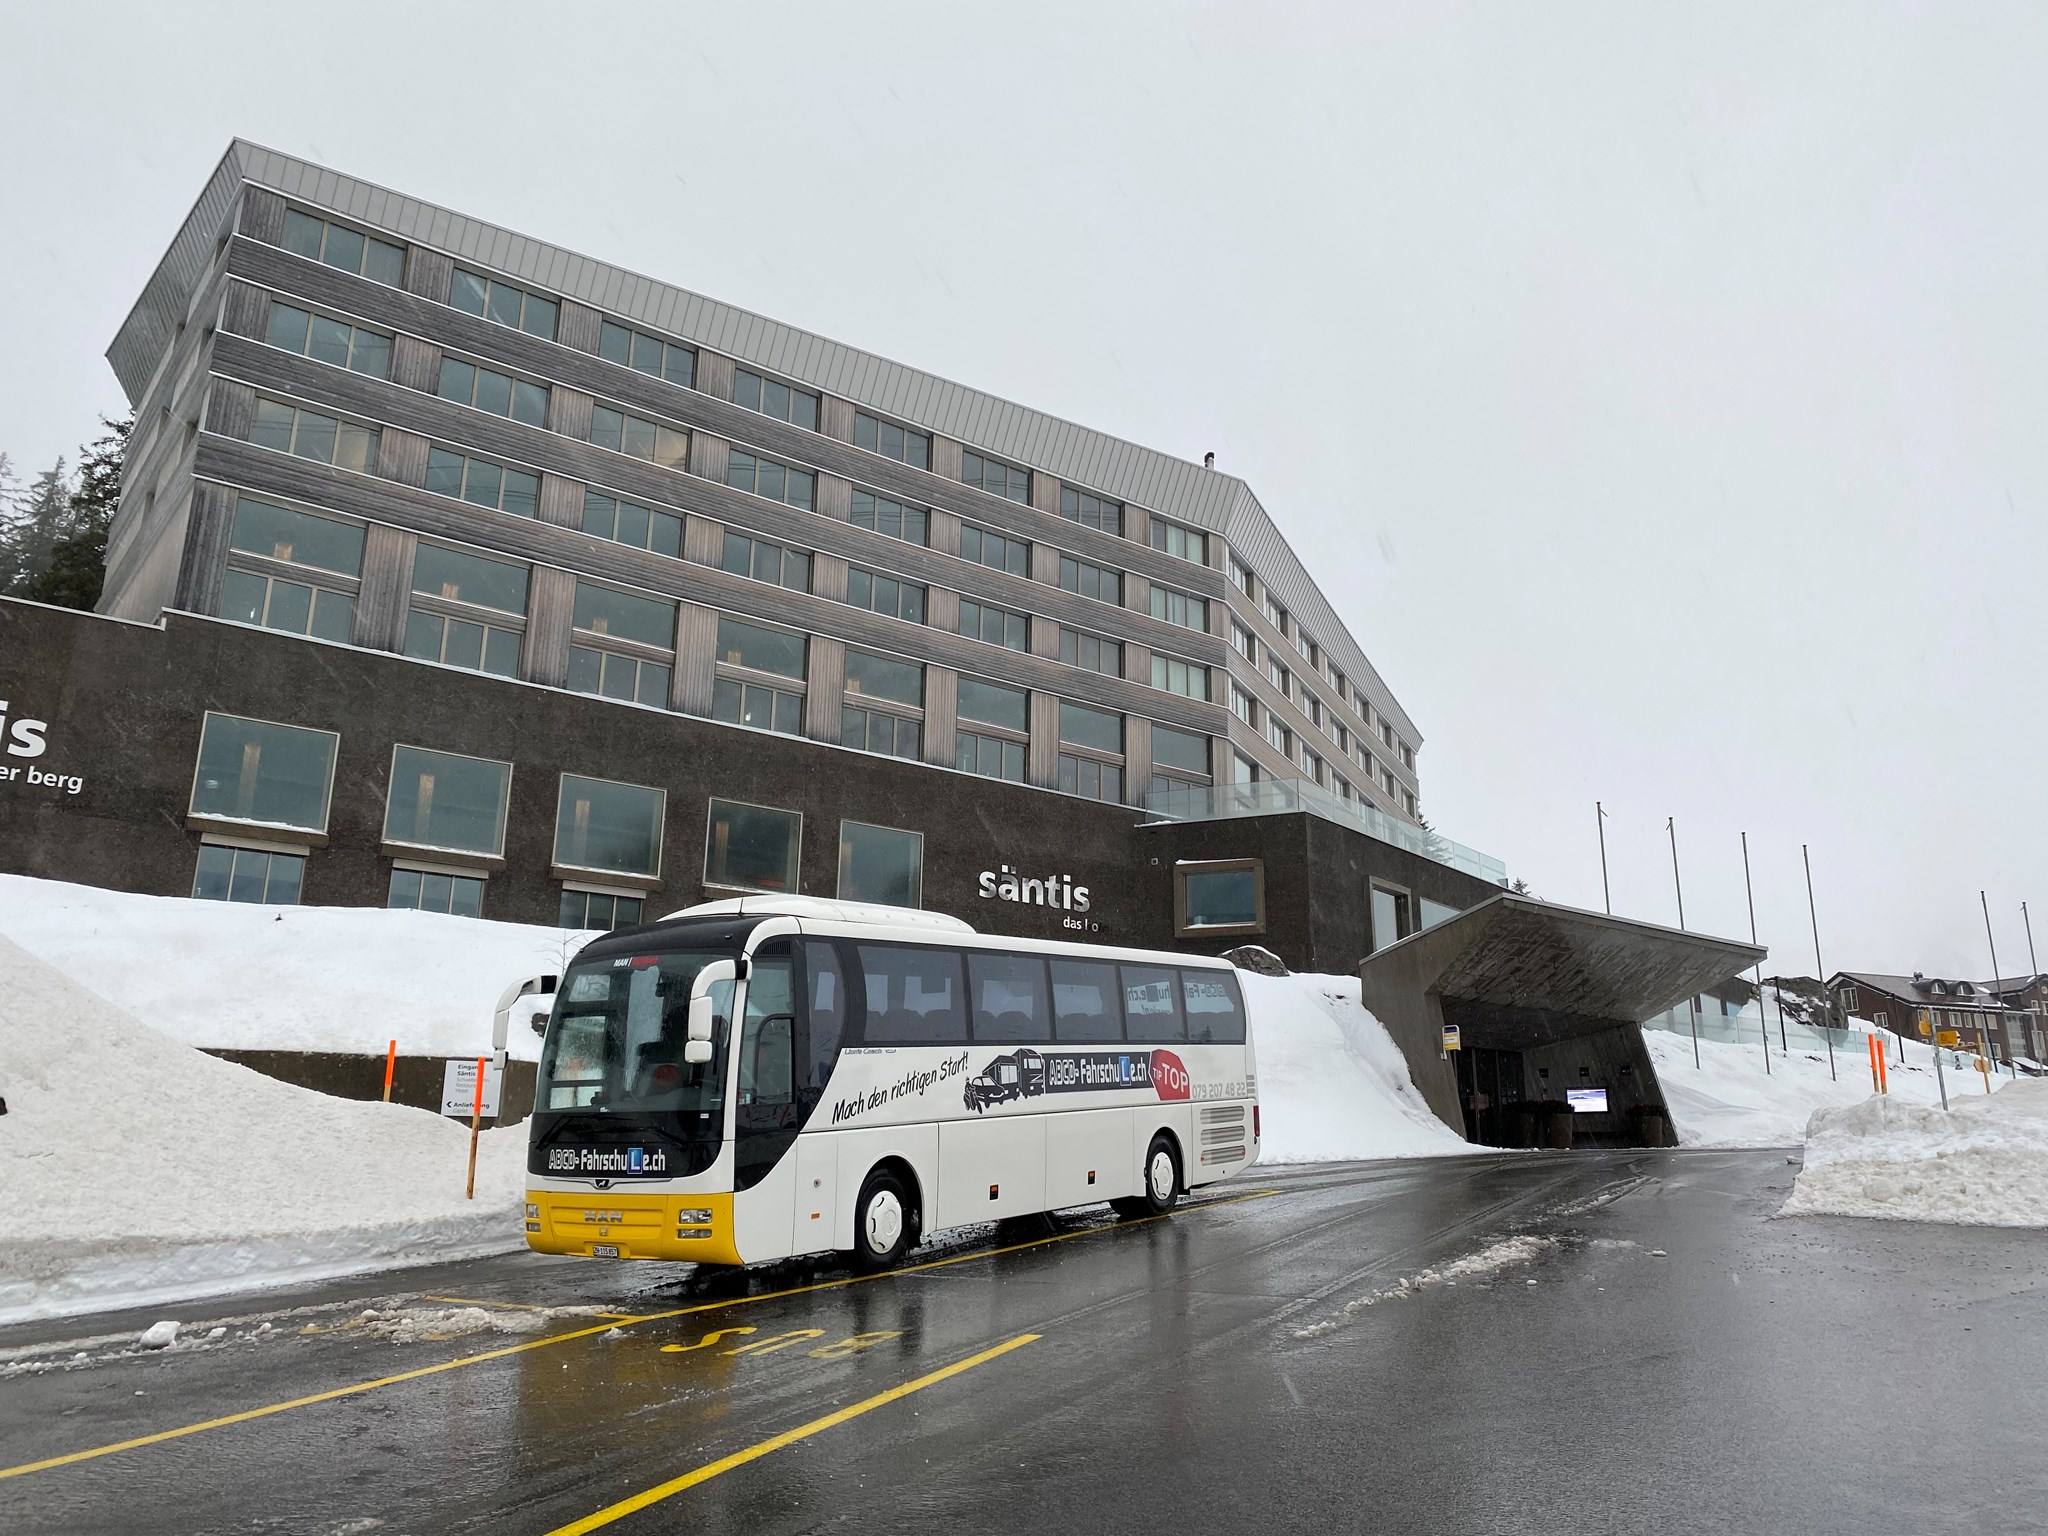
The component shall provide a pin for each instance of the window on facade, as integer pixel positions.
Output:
(1387, 734)
(1241, 639)
(885, 594)
(991, 757)
(604, 614)
(310, 435)
(1244, 707)
(601, 911)
(639, 438)
(1312, 765)
(608, 826)
(1173, 675)
(256, 770)
(1227, 894)
(276, 601)
(882, 680)
(997, 626)
(1279, 735)
(760, 650)
(1392, 913)
(475, 294)
(1094, 581)
(1387, 782)
(489, 390)
(1408, 802)
(433, 891)
(1180, 608)
(1095, 730)
(752, 847)
(1241, 576)
(1181, 543)
(771, 397)
(249, 875)
(995, 551)
(350, 250)
(278, 533)
(777, 482)
(884, 677)
(998, 709)
(295, 607)
(992, 704)
(327, 340)
(906, 444)
(646, 354)
(1180, 751)
(767, 562)
(627, 522)
(881, 864)
(1099, 729)
(995, 477)
(1407, 757)
(874, 730)
(482, 483)
(459, 638)
(1091, 511)
(759, 705)
(878, 514)
(1279, 677)
(1091, 652)
(1275, 614)
(444, 800)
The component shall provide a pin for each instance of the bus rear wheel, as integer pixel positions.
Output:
(882, 1223)
(1162, 1181)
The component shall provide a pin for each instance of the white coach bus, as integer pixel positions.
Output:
(892, 1073)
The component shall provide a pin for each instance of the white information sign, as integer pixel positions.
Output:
(458, 1089)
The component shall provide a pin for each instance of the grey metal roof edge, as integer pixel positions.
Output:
(1251, 531)
(167, 291)
(1145, 477)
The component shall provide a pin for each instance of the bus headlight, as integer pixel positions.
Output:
(690, 1232)
(693, 1218)
(532, 1211)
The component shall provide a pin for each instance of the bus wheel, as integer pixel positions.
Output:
(1162, 1181)
(881, 1221)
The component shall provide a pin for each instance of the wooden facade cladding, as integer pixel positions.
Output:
(203, 566)
(834, 498)
(428, 274)
(402, 457)
(836, 418)
(230, 409)
(825, 686)
(262, 215)
(828, 577)
(550, 612)
(1042, 757)
(415, 364)
(381, 604)
(561, 501)
(941, 714)
(1137, 758)
(578, 326)
(714, 374)
(703, 540)
(569, 412)
(709, 457)
(244, 311)
(696, 671)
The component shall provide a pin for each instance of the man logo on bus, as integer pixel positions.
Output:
(1169, 1076)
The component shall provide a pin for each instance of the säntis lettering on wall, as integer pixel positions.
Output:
(28, 738)
(1052, 891)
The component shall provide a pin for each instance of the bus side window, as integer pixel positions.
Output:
(1215, 1015)
(770, 1062)
(827, 985)
(767, 1036)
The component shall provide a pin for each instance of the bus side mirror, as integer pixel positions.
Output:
(701, 1003)
(696, 1052)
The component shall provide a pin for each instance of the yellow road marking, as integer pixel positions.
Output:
(333, 1393)
(724, 1464)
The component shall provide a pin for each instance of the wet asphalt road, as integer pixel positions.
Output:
(1250, 1363)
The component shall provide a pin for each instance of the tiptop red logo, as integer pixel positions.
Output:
(1169, 1076)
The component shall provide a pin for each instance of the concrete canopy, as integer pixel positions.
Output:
(1516, 974)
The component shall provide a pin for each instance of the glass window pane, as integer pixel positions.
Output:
(633, 524)
(501, 652)
(328, 342)
(763, 650)
(653, 689)
(768, 563)
(606, 612)
(607, 426)
(671, 447)
(1087, 727)
(600, 514)
(467, 578)
(725, 701)
(639, 439)
(249, 875)
(915, 996)
(482, 482)
(789, 714)
(405, 889)
(993, 704)
(372, 355)
(619, 680)
(1086, 1001)
(210, 882)
(1221, 898)
(273, 425)
(302, 233)
(423, 636)
(386, 264)
(917, 450)
(1180, 749)
(344, 249)
(465, 646)
(435, 891)
(775, 399)
(444, 472)
(796, 570)
(466, 293)
(892, 440)
(768, 479)
(522, 493)
(802, 489)
(665, 537)
(752, 847)
(1215, 1013)
(253, 770)
(286, 328)
(739, 470)
(647, 354)
(803, 411)
(291, 607)
(602, 825)
(1013, 762)
(738, 556)
(884, 677)
(356, 448)
(314, 438)
(913, 604)
(540, 317)
(493, 392)
(615, 343)
(468, 898)
(242, 597)
(679, 366)
(864, 431)
(287, 872)
(1152, 1003)
(880, 864)
(503, 303)
(586, 667)
(746, 389)
(334, 617)
(853, 728)
(861, 589)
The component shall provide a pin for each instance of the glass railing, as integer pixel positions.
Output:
(1272, 797)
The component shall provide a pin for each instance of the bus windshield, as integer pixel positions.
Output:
(615, 1044)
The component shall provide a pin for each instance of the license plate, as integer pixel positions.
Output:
(604, 1251)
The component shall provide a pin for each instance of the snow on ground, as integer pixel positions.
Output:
(1983, 1162)
(1729, 1101)
(139, 1170)
(1332, 1084)
(224, 974)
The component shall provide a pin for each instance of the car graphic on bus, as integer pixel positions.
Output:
(1021, 1074)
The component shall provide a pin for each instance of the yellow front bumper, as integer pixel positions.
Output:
(635, 1225)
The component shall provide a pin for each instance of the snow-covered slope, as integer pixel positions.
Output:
(220, 974)
(1332, 1084)
(1982, 1163)
(138, 1170)
(1728, 1100)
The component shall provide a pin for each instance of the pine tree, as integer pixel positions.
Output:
(77, 568)
(10, 496)
(41, 519)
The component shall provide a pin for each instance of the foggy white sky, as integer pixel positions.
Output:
(1658, 394)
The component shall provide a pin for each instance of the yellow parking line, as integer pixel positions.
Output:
(623, 1319)
(755, 1452)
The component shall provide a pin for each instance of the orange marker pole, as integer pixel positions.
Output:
(1884, 1071)
(476, 1120)
(1870, 1050)
(390, 1066)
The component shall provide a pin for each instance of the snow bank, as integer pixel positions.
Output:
(1982, 1163)
(1333, 1086)
(1729, 1101)
(223, 974)
(138, 1170)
